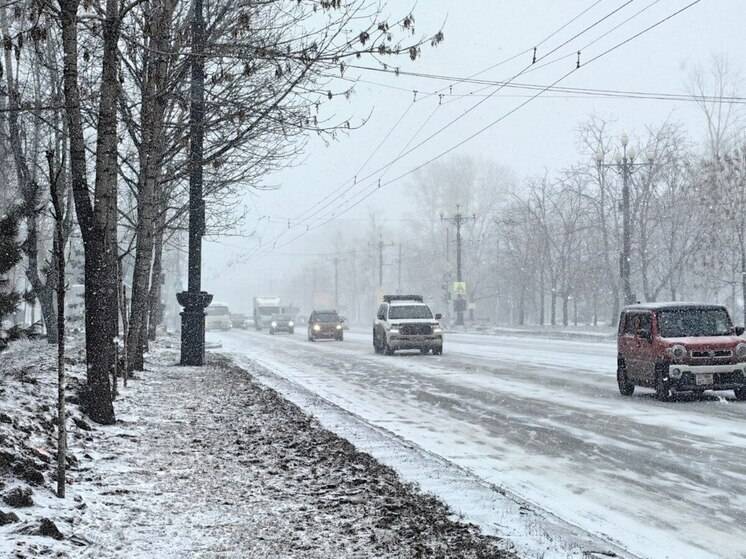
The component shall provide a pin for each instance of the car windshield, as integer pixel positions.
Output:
(268, 310)
(218, 310)
(326, 317)
(409, 311)
(281, 317)
(694, 322)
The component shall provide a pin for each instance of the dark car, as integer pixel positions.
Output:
(282, 323)
(239, 320)
(680, 347)
(325, 325)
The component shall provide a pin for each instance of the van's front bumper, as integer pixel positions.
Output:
(683, 377)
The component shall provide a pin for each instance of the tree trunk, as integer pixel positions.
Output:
(565, 310)
(152, 121)
(98, 219)
(522, 305)
(615, 307)
(156, 312)
(58, 248)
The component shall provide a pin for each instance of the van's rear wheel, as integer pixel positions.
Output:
(740, 394)
(626, 388)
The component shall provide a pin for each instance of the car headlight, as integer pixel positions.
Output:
(274, 324)
(394, 331)
(316, 327)
(741, 351)
(677, 352)
(291, 323)
(437, 330)
(339, 326)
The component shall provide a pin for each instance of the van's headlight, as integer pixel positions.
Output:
(437, 330)
(741, 351)
(316, 327)
(274, 324)
(678, 352)
(291, 323)
(394, 331)
(339, 326)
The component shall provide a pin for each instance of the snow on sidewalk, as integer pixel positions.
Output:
(204, 462)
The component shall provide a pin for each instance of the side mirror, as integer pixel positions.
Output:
(645, 335)
(438, 316)
(740, 330)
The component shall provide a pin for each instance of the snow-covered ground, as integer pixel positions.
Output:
(204, 462)
(542, 418)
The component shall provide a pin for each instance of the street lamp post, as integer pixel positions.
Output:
(625, 164)
(194, 300)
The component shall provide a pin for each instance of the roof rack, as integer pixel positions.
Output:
(390, 298)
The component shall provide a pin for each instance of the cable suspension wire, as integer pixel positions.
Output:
(579, 92)
(544, 40)
(482, 130)
(519, 106)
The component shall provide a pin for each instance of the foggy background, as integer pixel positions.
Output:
(539, 139)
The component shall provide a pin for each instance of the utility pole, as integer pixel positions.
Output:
(625, 164)
(354, 286)
(381, 246)
(458, 219)
(194, 300)
(398, 289)
(336, 283)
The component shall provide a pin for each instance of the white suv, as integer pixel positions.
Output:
(406, 322)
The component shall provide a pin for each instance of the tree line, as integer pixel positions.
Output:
(95, 98)
(547, 249)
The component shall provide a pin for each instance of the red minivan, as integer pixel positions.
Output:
(680, 347)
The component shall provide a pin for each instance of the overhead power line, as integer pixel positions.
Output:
(499, 87)
(520, 106)
(577, 91)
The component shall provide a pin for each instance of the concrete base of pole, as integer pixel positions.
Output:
(193, 326)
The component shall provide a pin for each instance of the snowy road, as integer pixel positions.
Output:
(543, 418)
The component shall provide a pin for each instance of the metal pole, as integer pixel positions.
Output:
(399, 271)
(356, 313)
(194, 300)
(336, 283)
(459, 277)
(380, 263)
(627, 231)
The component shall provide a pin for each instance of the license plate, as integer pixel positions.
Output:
(704, 379)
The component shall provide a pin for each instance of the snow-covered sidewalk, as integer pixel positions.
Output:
(204, 462)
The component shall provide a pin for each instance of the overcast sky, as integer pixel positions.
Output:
(538, 136)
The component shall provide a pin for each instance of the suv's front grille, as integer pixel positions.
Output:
(415, 329)
(718, 353)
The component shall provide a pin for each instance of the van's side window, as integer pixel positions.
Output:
(630, 322)
(645, 323)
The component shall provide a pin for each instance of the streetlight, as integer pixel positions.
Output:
(194, 300)
(625, 164)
